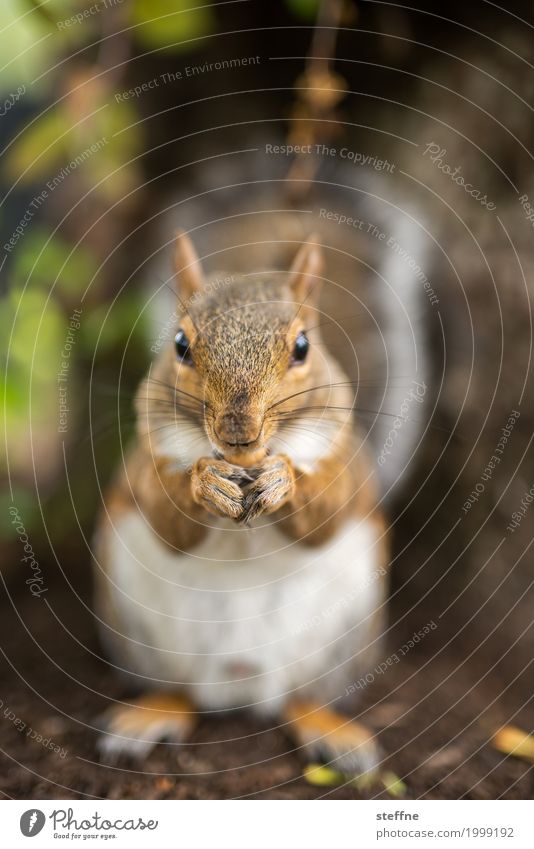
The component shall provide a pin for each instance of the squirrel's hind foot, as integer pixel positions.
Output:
(330, 737)
(133, 729)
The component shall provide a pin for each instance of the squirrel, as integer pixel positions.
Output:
(241, 559)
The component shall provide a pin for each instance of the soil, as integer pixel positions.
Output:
(434, 712)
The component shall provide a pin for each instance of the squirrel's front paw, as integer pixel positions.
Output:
(273, 487)
(215, 485)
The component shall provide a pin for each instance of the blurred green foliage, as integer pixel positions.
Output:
(169, 23)
(26, 44)
(58, 83)
(48, 262)
(305, 9)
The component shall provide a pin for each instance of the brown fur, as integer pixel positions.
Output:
(242, 390)
(323, 732)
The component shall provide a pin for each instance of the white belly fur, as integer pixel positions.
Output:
(248, 617)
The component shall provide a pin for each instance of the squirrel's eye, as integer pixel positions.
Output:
(301, 349)
(181, 343)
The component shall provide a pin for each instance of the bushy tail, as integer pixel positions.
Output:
(406, 298)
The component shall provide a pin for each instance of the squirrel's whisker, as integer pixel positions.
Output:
(353, 409)
(335, 422)
(298, 411)
(171, 425)
(174, 388)
(312, 389)
(104, 428)
(174, 403)
(332, 451)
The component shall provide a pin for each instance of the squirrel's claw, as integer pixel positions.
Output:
(328, 736)
(273, 487)
(241, 477)
(134, 729)
(215, 485)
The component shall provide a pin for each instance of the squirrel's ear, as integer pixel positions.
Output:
(307, 265)
(187, 267)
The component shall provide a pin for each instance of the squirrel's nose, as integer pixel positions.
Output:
(238, 429)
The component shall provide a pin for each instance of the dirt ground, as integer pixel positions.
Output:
(434, 713)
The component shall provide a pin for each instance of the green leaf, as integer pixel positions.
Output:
(304, 9)
(323, 776)
(39, 336)
(26, 45)
(38, 324)
(25, 503)
(114, 327)
(45, 262)
(168, 23)
(40, 147)
(393, 784)
(53, 143)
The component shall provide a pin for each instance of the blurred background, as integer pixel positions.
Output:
(110, 112)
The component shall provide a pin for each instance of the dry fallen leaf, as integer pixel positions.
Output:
(511, 740)
(164, 784)
(323, 776)
(394, 785)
